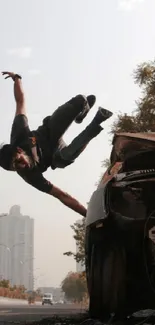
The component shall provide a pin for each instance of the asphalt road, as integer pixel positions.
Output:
(16, 313)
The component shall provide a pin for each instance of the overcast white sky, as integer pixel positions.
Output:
(63, 48)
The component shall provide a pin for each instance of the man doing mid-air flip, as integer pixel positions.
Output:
(30, 153)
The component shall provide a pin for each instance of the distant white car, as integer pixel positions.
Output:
(47, 299)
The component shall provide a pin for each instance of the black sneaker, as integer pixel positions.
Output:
(90, 101)
(102, 115)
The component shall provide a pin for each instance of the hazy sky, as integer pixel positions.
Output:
(62, 48)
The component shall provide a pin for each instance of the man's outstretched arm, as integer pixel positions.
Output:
(68, 200)
(18, 92)
(37, 180)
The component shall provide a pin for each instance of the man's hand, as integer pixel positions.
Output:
(69, 201)
(18, 92)
(8, 74)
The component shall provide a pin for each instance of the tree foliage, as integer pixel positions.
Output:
(79, 233)
(141, 120)
(4, 283)
(6, 290)
(74, 286)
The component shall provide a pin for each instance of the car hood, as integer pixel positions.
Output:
(131, 152)
(130, 144)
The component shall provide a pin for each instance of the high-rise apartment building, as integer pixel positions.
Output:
(17, 248)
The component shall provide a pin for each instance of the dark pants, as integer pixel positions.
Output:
(58, 123)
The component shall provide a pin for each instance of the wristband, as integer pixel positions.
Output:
(16, 76)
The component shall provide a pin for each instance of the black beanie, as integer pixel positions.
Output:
(6, 155)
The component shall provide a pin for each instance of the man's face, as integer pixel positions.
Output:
(21, 160)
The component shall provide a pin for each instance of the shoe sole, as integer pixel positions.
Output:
(105, 112)
(91, 99)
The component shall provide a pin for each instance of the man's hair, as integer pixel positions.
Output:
(6, 155)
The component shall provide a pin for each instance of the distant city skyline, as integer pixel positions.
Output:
(17, 248)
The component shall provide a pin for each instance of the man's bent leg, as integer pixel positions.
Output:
(62, 118)
(66, 155)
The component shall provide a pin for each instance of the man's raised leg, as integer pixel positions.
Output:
(65, 155)
(62, 118)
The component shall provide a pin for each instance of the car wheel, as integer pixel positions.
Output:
(106, 270)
